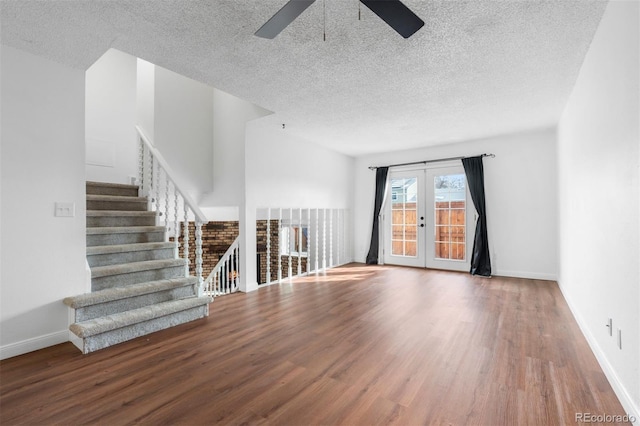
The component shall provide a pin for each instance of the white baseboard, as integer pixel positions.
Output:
(620, 390)
(524, 274)
(33, 344)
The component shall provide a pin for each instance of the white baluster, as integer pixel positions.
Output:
(324, 239)
(185, 239)
(330, 238)
(229, 276)
(236, 254)
(216, 284)
(157, 193)
(176, 223)
(141, 167)
(279, 248)
(268, 277)
(166, 206)
(340, 230)
(299, 244)
(317, 238)
(290, 269)
(308, 241)
(151, 174)
(235, 270)
(199, 255)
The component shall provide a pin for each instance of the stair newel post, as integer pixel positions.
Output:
(268, 277)
(199, 257)
(185, 240)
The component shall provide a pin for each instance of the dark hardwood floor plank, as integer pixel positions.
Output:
(359, 345)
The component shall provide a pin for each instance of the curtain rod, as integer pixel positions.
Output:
(431, 161)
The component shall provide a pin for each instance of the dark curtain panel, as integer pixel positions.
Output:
(480, 261)
(381, 181)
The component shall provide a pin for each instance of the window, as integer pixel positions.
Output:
(450, 217)
(404, 199)
(293, 240)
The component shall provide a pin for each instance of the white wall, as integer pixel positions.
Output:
(110, 105)
(145, 96)
(520, 186)
(230, 116)
(598, 161)
(283, 171)
(43, 157)
(183, 130)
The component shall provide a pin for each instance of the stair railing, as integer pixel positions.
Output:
(224, 278)
(173, 206)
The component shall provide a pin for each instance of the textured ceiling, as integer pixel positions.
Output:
(477, 68)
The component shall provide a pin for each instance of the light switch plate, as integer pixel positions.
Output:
(65, 209)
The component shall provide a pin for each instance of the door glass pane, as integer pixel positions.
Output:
(450, 217)
(404, 199)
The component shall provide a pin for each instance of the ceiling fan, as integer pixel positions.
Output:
(393, 12)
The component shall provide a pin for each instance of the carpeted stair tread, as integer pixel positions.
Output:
(124, 229)
(98, 213)
(102, 188)
(94, 197)
(111, 185)
(127, 268)
(123, 319)
(124, 248)
(118, 293)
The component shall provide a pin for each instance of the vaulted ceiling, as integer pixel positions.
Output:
(477, 68)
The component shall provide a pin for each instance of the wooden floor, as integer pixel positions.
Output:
(361, 345)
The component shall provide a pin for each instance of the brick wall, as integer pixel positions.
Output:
(216, 239)
(261, 239)
(218, 236)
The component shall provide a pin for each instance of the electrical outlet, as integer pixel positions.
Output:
(65, 210)
(610, 326)
(619, 339)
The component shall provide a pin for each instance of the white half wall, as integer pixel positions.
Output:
(284, 171)
(520, 186)
(110, 105)
(43, 162)
(183, 129)
(599, 199)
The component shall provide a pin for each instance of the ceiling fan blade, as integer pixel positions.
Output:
(397, 15)
(283, 18)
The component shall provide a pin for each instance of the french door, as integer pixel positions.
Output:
(428, 219)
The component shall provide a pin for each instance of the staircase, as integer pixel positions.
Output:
(138, 286)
